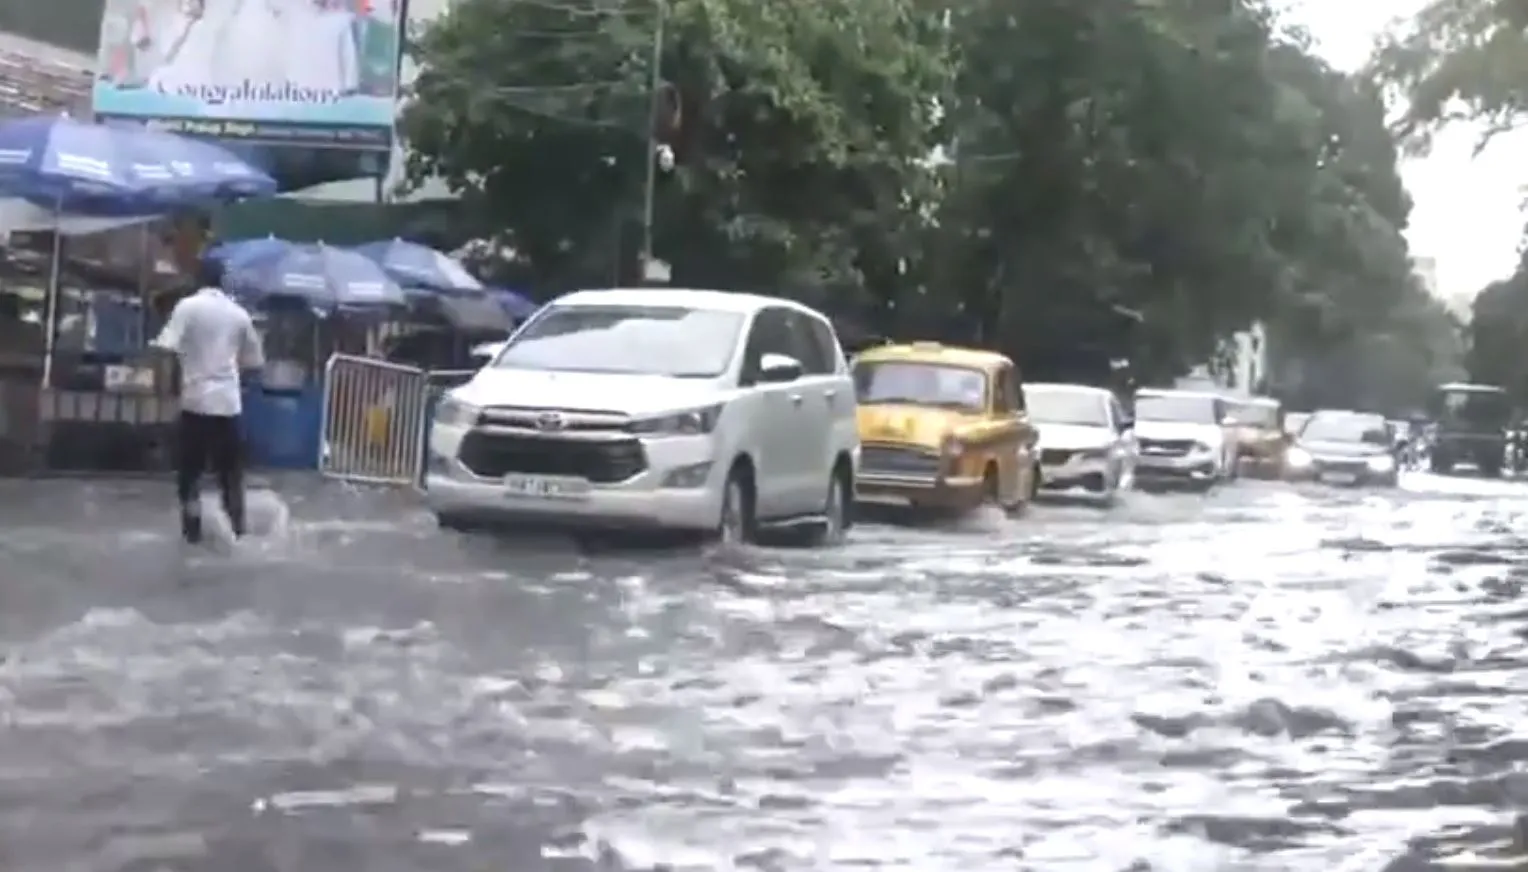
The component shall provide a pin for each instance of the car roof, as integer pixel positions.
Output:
(720, 301)
(1348, 413)
(1466, 386)
(934, 353)
(1174, 392)
(1094, 390)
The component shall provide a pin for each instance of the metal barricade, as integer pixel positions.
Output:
(375, 419)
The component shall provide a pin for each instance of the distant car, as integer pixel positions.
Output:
(1087, 439)
(1186, 438)
(1472, 428)
(707, 411)
(1343, 447)
(942, 429)
(1261, 440)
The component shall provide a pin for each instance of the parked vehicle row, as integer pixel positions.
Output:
(739, 415)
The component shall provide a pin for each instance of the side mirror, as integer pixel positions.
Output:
(777, 369)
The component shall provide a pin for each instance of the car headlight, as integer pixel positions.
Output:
(1298, 457)
(952, 444)
(1201, 448)
(455, 413)
(686, 423)
(1381, 463)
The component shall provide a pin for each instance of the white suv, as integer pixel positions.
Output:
(688, 410)
(1185, 437)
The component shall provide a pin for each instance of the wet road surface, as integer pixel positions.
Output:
(1272, 678)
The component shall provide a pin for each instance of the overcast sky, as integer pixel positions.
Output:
(1467, 213)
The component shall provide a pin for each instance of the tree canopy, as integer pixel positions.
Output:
(1467, 60)
(1069, 182)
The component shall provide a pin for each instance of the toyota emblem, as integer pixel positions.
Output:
(550, 421)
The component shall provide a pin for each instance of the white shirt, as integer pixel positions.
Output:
(214, 338)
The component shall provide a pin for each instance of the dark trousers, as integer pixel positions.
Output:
(209, 440)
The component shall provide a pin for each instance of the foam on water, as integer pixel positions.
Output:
(267, 516)
(1177, 682)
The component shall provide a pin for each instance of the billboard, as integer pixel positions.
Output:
(312, 73)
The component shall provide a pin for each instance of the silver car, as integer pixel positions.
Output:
(1087, 440)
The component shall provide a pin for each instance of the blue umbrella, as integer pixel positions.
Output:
(73, 166)
(515, 304)
(415, 265)
(322, 276)
(234, 252)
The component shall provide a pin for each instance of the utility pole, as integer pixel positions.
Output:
(655, 105)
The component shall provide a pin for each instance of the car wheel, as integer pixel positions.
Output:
(736, 526)
(993, 491)
(454, 522)
(1107, 489)
(835, 513)
(992, 487)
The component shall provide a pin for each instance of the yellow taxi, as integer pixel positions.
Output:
(1260, 438)
(943, 429)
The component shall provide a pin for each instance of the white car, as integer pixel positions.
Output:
(1185, 438)
(1087, 439)
(705, 411)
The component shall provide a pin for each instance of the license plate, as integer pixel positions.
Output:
(1339, 477)
(542, 487)
(883, 500)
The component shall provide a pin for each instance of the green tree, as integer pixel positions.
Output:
(1069, 182)
(1457, 60)
(800, 130)
(1498, 333)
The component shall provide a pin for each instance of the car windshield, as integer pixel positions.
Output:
(1473, 408)
(1257, 415)
(637, 340)
(1345, 428)
(1175, 407)
(1064, 406)
(921, 384)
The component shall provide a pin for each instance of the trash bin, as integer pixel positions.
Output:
(281, 426)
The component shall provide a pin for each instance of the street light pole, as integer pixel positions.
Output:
(655, 101)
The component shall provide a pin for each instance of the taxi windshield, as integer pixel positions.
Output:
(1257, 415)
(920, 384)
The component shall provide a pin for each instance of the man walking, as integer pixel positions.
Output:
(214, 338)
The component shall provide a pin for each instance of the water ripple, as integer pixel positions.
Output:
(1271, 678)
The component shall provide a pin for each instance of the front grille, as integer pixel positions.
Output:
(553, 420)
(492, 455)
(899, 461)
(1054, 456)
(1167, 446)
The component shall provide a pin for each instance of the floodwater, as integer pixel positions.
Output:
(1270, 678)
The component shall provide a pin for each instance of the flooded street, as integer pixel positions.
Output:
(1272, 678)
